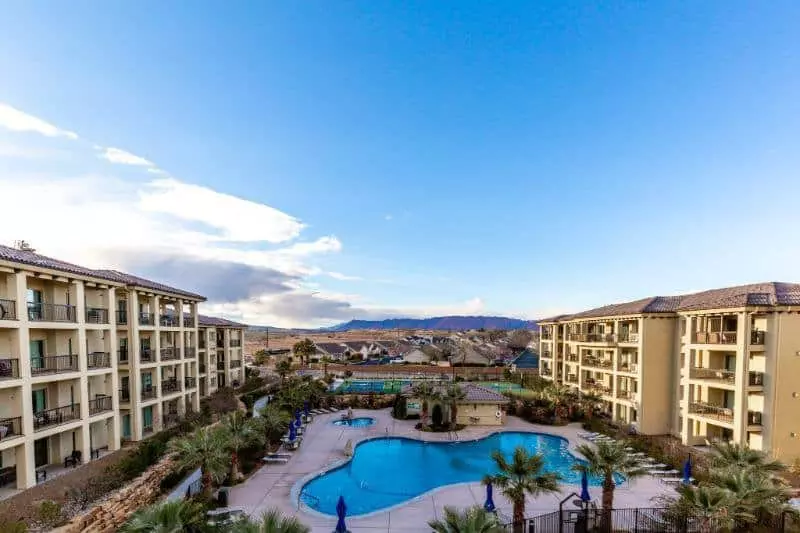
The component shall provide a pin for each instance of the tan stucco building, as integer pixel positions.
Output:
(89, 359)
(480, 406)
(715, 365)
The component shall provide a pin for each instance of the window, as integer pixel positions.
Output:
(39, 400)
(147, 417)
(147, 381)
(37, 354)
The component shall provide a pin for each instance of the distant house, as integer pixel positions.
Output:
(416, 356)
(367, 349)
(394, 348)
(527, 361)
(336, 351)
(468, 355)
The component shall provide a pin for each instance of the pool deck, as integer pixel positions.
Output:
(323, 446)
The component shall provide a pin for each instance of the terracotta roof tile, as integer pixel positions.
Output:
(130, 279)
(205, 321)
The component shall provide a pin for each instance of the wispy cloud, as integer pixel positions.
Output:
(15, 120)
(121, 157)
(342, 277)
(388, 217)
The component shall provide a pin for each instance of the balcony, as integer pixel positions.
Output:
(9, 368)
(626, 366)
(96, 315)
(236, 363)
(146, 355)
(124, 395)
(56, 417)
(758, 338)
(544, 372)
(100, 405)
(169, 321)
(202, 368)
(626, 394)
(546, 355)
(754, 418)
(98, 360)
(628, 338)
(202, 343)
(148, 392)
(220, 365)
(188, 321)
(236, 343)
(8, 309)
(713, 374)
(190, 382)
(189, 352)
(168, 386)
(122, 356)
(10, 428)
(546, 335)
(41, 312)
(572, 358)
(122, 317)
(595, 362)
(53, 364)
(170, 353)
(755, 379)
(714, 412)
(147, 319)
(571, 378)
(171, 419)
(597, 387)
(714, 337)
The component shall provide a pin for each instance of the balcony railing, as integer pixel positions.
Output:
(171, 419)
(53, 364)
(170, 385)
(631, 338)
(716, 412)
(189, 352)
(170, 353)
(188, 321)
(236, 343)
(599, 363)
(220, 365)
(146, 355)
(10, 428)
(758, 337)
(754, 418)
(571, 378)
(626, 366)
(545, 372)
(100, 405)
(190, 382)
(149, 392)
(202, 343)
(8, 309)
(716, 374)
(57, 416)
(547, 355)
(202, 368)
(122, 356)
(715, 337)
(625, 394)
(236, 363)
(546, 335)
(42, 312)
(755, 379)
(9, 368)
(96, 315)
(122, 317)
(124, 395)
(98, 360)
(147, 319)
(169, 321)
(572, 357)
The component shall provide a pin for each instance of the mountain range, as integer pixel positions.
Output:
(443, 323)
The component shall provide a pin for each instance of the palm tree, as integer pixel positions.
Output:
(452, 396)
(589, 402)
(304, 349)
(272, 521)
(711, 505)
(240, 433)
(472, 520)
(725, 455)
(168, 517)
(272, 422)
(426, 394)
(604, 461)
(283, 368)
(206, 448)
(752, 494)
(523, 475)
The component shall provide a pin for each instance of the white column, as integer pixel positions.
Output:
(26, 469)
(114, 437)
(134, 364)
(80, 309)
(740, 398)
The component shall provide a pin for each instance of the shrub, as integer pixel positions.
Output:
(436, 415)
(49, 514)
(7, 526)
(400, 409)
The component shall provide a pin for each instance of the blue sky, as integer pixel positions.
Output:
(410, 158)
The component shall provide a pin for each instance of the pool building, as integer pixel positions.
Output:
(481, 405)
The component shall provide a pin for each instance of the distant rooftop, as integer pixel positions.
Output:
(216, 322)
(130, 279)
(474, 393)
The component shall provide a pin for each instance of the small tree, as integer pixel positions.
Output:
(205, 448)
(473, 520)
(272, 422)
(169, 516)
(426, 393)
(272, 521)
(304, 349)
(261, 357)
(519, 339)
(452, 396)
(283, 368)
(240, 433)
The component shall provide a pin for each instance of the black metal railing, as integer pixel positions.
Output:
(169, 321)
(56, 416)
(202, 343)
(189, 352)
(171, 419)
(190, 382)
(42, 312)
(202, 368)
(716, 374)
(755, 379)
(98, 360)
(124, 395)
(96, 315)
(573, 357)
(9, 368)
(628, 337)
(547, 372)
(100, 405)
(716, 412)
(8, 309)
(170, 385)
(547, 355)
(122, 356)
(53, 364)
(188, 321)
(715, 337)
(149, 392)
(546, 335)
(220, 365)
(236, 343)
(758, 337)
(122, 317)
(146, 355)
(170, 353)
(147, 319)
(10, 428)
(754, 418)
(236, 363)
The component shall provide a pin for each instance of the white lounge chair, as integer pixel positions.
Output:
(663, 472)
(675, 480)
(638, 454)
(281, 460)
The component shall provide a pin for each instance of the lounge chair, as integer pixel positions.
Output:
(655, 472)
(281, 460)
(638, 454)
(675, 480)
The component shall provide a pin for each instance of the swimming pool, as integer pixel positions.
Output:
(388, 471)
(371, 385)
(360, 422)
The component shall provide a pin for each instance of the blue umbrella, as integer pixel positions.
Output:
(292, 433)
(341, 512)
(585, 487)
(297, 421)
(489, 503)
(687, 471)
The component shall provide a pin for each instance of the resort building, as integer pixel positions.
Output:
(715, 365)
(220, 352)
(480, 407)
(88, 359)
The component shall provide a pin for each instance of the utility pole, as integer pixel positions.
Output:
(267, 339)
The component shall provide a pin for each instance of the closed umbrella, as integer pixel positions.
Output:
(687, 471)
(297, 421)
(292, 433)
(585, 497)
(341, 512)
(305, 408)
(489, 503)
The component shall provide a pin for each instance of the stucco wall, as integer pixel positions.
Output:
(657, 375)
(784, 420)
(485, 413)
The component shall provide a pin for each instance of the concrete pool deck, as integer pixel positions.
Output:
(323, 446)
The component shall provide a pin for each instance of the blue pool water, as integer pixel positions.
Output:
(361, 422)
(388, 471)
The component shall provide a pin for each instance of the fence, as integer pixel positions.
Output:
(645, 520)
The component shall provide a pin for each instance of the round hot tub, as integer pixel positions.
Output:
(360, 422)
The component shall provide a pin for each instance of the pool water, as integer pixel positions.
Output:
(360, 422)
(371, 385)
(388, 471)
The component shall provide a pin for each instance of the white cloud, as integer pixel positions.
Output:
(121, 157)
(388, 217)
(10, 150)
(15, 120)
(342, 277)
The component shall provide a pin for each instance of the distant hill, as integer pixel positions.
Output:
(445, 323)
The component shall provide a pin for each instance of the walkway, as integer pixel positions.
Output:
(324, 443)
